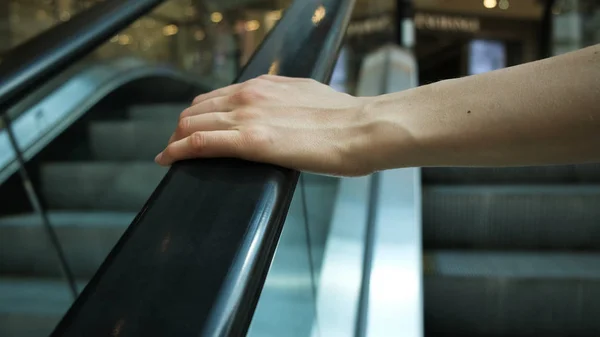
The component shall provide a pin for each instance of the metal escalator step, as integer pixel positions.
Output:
(32, 307)
(512, 294)
(130, 140)
(530, 175)
(512, 217)
(86, 238)
(170, 111)
(121, 186)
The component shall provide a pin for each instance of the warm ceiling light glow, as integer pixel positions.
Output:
(252, 25)
(274, 15)
(216, 17)
(170, 30)
(124, 39)
(489, 3)
(65, 16)
(503, 4)
(319, 15)
(115, 39)
(199, 35)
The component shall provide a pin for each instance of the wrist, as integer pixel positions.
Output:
(388, 138)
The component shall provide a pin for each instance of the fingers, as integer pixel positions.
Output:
(281, 79)
(204, 122)
(217, 104)
(222, 143)
(231, 89)
(225, 91)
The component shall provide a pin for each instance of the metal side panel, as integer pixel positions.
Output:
(338, 294)
(395, 303)
(86, 238)
(49, 117)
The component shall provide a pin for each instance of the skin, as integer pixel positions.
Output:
(543, 112)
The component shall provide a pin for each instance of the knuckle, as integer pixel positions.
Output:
(266, 77)
(186, 112)
(197, 99)
(184, 124)
(243, 115)
(259, 137)
(249, 85)
(211, 105)
(256, 81)
(223, 120)
(168, 152)
(197, 141)
(247, 95)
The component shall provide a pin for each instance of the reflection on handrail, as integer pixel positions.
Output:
(221, 218)
(47, 117)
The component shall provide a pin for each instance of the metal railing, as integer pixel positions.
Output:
(194, 260)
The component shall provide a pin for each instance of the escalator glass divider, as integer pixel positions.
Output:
(35, 201)
(311, 266)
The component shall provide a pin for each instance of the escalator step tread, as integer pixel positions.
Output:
(513, 265)
(64, 218)
(525, 294)
(130, 140)
(86, 239)
(554, 174)
(31, 307)
(512, 217)
(121, 186)
(28, 295)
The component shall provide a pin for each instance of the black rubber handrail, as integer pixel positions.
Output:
(28, 66)
(194, 260)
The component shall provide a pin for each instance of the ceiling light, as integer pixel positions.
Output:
(489, 3)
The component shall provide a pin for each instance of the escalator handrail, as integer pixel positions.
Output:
(30, 65)
(194, 260)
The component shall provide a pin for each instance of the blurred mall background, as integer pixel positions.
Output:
(216, 38)
(495, 252)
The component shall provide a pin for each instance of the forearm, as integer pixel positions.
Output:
(545, 112)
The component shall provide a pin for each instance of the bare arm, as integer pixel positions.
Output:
(545, 112)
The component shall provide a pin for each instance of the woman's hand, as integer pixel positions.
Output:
(291, 122)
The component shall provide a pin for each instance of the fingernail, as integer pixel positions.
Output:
(158, 158)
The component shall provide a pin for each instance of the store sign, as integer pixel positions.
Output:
(370, 26)
(446, 23)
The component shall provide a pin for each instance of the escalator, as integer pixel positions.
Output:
(94, 173)
(226, 247)
(90, 203)
(150, 250)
